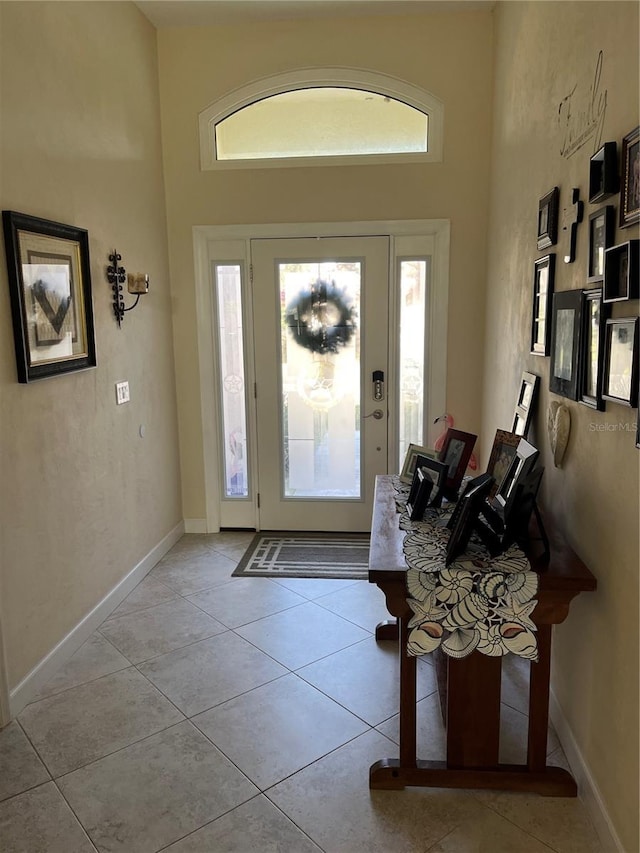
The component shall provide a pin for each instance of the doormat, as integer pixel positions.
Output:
(306, 555)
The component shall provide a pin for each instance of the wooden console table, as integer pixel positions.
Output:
(472, 684)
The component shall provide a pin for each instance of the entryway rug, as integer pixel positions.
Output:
(306, 555)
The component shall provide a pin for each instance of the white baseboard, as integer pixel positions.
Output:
(195, 525)
(35, 680)
(587, 787)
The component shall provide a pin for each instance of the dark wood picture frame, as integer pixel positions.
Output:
(527, 395)
(602, 228)
(50, 289)
(548, 219)
(466, 515)
(603, 173)
(630, 184)
(502, 453)
(621, 272)
(544, 270)
(620, 384)
(456, 452)
(566, 334)
(594, 315)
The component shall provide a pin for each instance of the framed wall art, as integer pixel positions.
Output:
(601, 231)
(525, 403)
(603, 173)
(630, 184)
(548, 219)
(543, 281)
(594, 314)
(621, 361)
(565, 343)
(456, 452)
(50, 289)
(621, 272)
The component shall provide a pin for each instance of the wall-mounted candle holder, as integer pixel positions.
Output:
(137, 283)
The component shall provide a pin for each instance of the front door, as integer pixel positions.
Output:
(320, 309)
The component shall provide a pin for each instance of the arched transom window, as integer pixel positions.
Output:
(321, 116)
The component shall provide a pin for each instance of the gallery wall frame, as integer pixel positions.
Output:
(620, 384)
(602, 227)
(621, 272)
(603, 173)
(594, 315)
(543, 283)
(50, 289)
(548, 219)
(630, 183)
(566, 332)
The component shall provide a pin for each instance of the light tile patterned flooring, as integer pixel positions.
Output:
(212, 713)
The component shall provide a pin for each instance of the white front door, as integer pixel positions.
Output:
(320, 310)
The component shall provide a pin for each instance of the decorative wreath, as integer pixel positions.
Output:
(321, 319)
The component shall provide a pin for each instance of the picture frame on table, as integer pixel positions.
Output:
(437, 472)
(525, 403)
(421, 489)
(504, 449)
(548, 219)
(410, 460)
(603, 173)
(594, 315)
(456, 453)
(621, 272)
(601, 234)
(566, 332)
(521, 466)
(50, 291)
(466, 515)
(630, 182)
(620, 384)
(543, 283)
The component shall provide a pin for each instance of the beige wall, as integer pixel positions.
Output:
(543, 51)
(84, 498)
(449, 55)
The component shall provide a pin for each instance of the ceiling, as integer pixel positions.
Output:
(197, 13)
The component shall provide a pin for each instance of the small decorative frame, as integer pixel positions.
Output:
(456, 452)
(548, 219)
(630, 194)
(525, 403)
(419, 495)
(621, 361)
(601, 231)
(50, 289)
(621, 272)
(410, 459)
(603, 173)
(594, 314)
(437, 472)
(543, 281)
(502, 453)
(565, 343)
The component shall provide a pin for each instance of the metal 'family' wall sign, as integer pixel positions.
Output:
(581, 113)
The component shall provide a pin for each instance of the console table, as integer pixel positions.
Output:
(470, 687)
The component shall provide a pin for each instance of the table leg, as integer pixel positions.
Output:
(539, 702)
(387, 630)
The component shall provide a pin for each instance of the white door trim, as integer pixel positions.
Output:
(203, 235)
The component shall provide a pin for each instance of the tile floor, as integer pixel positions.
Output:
(211, 713)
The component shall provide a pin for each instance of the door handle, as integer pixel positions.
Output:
(378, 414)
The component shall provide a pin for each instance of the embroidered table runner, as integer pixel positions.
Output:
(478, 603)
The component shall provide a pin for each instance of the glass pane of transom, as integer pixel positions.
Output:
(320, 379)
(413, 275)
(321, 122)
(232, 379)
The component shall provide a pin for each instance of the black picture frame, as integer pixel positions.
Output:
(50, 290)
(466, 514)
(630, 183)
(522, 464)
(548, 219)
(566, 333)
(602, 227)
(502, 453)
(421, 489)
(603, 173)
(620, 384)
(456, 452)
(525, 403)
(543, 283)
(621, 272)
(437, 472)
(594, 315)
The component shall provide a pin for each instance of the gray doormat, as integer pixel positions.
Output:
(306, 555)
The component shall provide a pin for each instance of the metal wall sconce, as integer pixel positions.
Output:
(137, 283)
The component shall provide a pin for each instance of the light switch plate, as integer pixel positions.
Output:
(122, 393)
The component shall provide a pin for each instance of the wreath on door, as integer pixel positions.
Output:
(321, 318)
